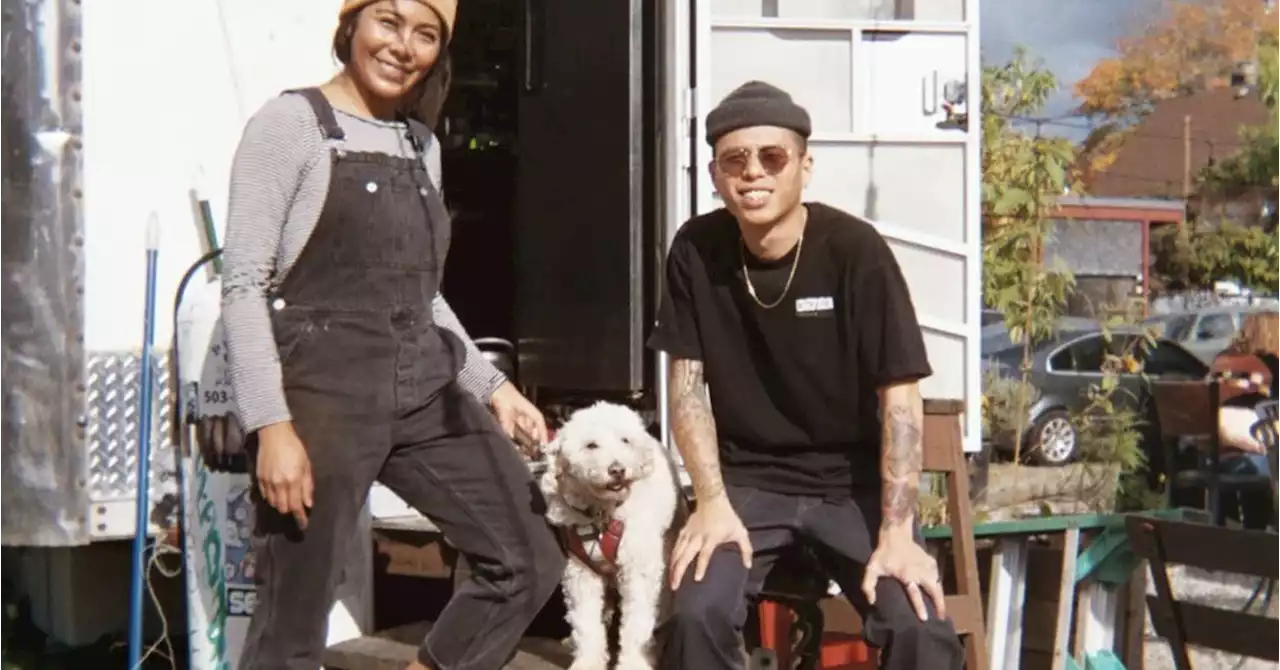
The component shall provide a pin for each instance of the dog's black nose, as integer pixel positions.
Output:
(617, 471)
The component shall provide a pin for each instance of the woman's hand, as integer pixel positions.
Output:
(284, 471)
(520, 420)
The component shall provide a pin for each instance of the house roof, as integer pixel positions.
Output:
(1150, 163)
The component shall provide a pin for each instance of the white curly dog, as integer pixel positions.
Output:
(612, 492)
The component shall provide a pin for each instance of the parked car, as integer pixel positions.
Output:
(1205, 332)
(994, 336)
(1064, 368)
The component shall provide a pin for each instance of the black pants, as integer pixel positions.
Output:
(456, 468)
(703, 631)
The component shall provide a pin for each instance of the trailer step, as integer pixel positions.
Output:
(393, 649)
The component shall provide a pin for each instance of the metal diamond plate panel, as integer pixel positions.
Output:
(112, 431)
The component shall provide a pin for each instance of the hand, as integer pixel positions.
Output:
(284, 471)
(899, 557)
(712, 524)
(520, 420)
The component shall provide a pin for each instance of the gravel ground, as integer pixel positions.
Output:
(1207, 588)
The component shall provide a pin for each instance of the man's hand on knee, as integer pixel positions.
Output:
(712, 524)
(902, 559)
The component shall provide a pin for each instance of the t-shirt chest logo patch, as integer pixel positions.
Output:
(816, 306)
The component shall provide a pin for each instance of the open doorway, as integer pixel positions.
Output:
(549, 168)
(478, 137)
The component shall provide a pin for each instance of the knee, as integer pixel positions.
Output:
(702, 611)
(935, 639)
(538, 574)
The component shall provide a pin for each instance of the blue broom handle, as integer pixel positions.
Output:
(145, 418)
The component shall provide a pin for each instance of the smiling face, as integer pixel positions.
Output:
(760, 173)
(392, 46)
(606, 449)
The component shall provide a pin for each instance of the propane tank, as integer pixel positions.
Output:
(217, 501)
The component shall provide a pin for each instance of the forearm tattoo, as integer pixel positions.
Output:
(901, 456)
(695, 428)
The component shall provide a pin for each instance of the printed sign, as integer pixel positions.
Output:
(220, 565)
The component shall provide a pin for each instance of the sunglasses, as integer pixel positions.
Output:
(735, 162)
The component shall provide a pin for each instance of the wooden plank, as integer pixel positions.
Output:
(965, 614)
(1006, 601)
(1224, 630)
(410, 522)
(1066, 598)
(1135, 620)
(395, 648)
(944, 406)
(415, 554)
(1251, 552)
(1084, 606)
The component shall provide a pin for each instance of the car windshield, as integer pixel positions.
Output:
(1177, 326)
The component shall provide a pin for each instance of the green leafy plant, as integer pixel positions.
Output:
(1111, 432)
(1022, 177)
(1188, 257)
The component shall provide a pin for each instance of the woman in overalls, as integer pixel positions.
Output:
(351, 368)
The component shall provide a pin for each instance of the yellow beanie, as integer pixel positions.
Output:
(447, 9)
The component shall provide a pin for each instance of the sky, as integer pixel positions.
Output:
(1070, 35)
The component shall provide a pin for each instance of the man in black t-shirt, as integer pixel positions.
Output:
(796, 318)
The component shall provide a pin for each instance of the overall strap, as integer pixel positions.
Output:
(419, 134)
(324, 112)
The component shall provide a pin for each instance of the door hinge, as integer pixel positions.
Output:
(689, 108)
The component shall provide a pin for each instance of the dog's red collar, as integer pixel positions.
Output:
(605, 562)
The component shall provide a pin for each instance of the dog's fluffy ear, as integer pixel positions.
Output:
(550, 455)
(549, 483)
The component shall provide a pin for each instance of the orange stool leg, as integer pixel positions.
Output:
(847, 652)
(775, 631)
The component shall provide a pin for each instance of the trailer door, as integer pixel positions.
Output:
(580, 196)
(875, 76)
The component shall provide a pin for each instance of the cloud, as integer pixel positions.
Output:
(1071, 36)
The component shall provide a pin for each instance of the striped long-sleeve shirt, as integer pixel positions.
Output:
(279, 180)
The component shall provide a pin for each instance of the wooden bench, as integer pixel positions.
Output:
(801, 598)
(1248, 552)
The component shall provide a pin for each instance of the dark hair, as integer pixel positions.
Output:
(426, 100)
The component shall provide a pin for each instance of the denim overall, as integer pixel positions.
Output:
(370, 383)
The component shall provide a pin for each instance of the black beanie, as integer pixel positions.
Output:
(756, 103)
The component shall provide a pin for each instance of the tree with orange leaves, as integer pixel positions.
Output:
(1191, 45)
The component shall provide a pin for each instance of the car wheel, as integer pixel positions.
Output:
(1053, 440)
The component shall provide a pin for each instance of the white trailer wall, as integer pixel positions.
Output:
(166, 94)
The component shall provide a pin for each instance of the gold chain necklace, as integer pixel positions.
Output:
(746, 274)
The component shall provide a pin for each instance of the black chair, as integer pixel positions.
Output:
(1187, 412)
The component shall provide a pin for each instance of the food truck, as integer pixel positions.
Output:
(573, 151)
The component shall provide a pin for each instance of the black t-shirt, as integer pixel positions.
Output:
(793, 388)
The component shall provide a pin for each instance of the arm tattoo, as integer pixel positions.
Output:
(694, 428)
(902, 454)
